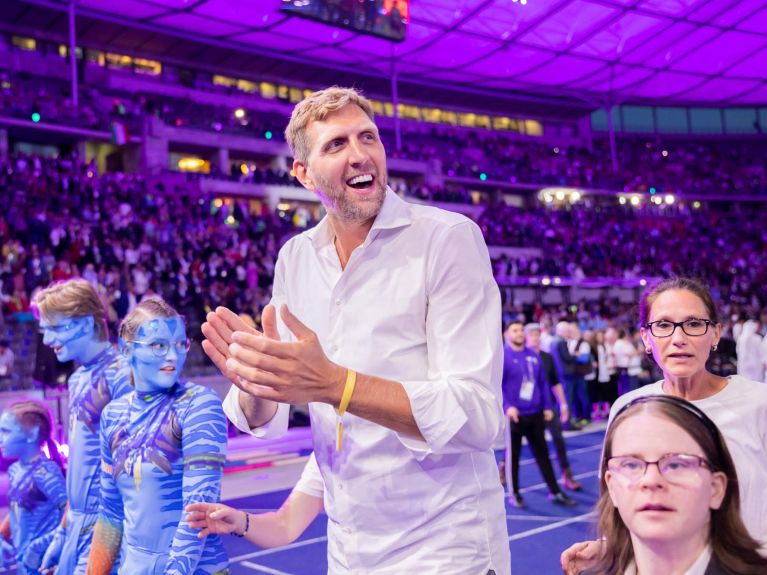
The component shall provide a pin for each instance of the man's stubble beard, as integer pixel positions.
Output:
(340, 204)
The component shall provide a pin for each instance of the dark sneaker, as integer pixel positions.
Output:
(562, 499)
(516, 500)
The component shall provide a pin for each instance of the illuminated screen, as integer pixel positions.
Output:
(385, 18)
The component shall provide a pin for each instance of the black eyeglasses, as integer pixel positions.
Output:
(693, 327)
(676, 468)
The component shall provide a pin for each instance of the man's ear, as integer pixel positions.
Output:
(301, 171)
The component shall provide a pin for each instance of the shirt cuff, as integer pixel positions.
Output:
(275, 427)
(430, 402)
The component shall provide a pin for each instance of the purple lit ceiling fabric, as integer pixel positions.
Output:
(710, 52)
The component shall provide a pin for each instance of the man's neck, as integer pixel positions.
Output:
(349, 236)
(518, 347)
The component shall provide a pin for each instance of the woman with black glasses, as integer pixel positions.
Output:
(680, 327)
(669, 501)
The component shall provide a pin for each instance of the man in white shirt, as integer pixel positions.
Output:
(388, 311)
(624, 351)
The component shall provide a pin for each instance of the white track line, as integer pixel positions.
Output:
(542, 485)
(277, 549)
(263, 569)
(544, 528)
(542, 518)
(570, 452)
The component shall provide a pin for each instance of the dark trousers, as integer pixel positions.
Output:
(532, 427)
(555, 429)
(626, 382)
(577, 394)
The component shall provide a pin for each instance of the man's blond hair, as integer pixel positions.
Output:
(73, 298)
(317, 107)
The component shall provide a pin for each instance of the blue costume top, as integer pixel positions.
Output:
(524, 383)
(37, 498)
(162, 451)
(91, 387)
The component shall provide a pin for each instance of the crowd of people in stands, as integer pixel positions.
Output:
(722, 243)
(700, 167)
(130, 240)
(55, 235)
(133, 240)
(668, 166)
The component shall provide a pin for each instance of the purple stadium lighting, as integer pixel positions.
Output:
(707, 52)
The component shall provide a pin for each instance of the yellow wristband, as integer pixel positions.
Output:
(346, 397)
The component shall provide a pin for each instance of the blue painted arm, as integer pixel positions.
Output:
(203, 444)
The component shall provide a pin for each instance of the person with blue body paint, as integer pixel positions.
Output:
(163, 447)
(73, 322)
(37, 493)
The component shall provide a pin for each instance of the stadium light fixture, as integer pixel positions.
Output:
(669, 199)
(696, 205)
(575, 196)
(622, 200)
(560, 195)
(239, 113)
(635, 200)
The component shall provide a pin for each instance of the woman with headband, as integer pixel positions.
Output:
(669, 501)
(680, 328)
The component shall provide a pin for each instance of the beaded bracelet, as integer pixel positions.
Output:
(247, 526)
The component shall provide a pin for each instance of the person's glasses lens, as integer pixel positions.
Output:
(160, 348)
(695, 327)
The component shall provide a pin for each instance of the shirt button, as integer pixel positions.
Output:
(334, 348)
(338, 301)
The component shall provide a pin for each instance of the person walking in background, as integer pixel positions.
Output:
(527, 402)
(559, 406)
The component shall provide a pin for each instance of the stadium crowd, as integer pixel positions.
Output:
(680, 166)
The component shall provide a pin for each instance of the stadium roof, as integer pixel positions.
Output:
(584, 52)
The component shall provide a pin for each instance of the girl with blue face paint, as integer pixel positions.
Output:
(163, 447)
(37, 494)
(71, 316)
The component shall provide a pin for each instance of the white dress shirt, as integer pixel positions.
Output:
(417, 304)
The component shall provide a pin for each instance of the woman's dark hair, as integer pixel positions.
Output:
(732, 546)
(677, 283)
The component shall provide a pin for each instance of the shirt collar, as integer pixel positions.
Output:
(395, 213)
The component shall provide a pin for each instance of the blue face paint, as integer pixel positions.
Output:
(14, 441)
(71, 338)
(157, 353)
